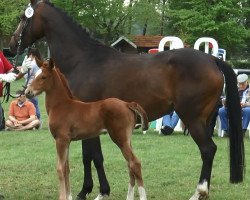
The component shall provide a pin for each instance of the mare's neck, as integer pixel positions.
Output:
(70, 46)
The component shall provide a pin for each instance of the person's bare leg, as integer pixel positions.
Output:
(10, 125)
(31, 125)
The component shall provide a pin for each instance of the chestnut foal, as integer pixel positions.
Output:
(70, 119)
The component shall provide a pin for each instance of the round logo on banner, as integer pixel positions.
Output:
(29, 12)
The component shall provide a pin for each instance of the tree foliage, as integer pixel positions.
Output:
(9, 12)
(223, 20)
(227, 21)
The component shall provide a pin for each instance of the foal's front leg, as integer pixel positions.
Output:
(62, 147)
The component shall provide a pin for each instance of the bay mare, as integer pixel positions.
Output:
(71, 119)
(185, 80)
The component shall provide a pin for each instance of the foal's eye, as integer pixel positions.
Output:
(43, 77)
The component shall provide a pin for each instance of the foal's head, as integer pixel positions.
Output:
(43, 81)
(49, 80)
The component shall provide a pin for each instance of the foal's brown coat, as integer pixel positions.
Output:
(70, 119)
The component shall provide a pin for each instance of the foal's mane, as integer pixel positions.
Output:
(64, 82)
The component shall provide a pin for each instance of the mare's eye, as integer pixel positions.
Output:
(43, 77)
(22, 16)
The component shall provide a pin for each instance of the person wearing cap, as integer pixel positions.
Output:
(244, 94)
(22, 114)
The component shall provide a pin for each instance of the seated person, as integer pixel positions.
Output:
(22, 114)
(169, 122)
(28, 70)
(244, 94)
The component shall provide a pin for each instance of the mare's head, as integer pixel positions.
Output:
(30, 27)
(44, 81)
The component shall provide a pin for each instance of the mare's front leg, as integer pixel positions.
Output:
(91, 150)
(62, 147)
(199, 133)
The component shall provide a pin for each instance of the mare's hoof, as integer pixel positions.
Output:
(100, 196)
(78, 198)
(200, 194)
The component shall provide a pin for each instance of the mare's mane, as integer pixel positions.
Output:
(79, 29)
(64, 82)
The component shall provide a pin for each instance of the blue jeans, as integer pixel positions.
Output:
(34, 100)
(170, 120)
(224, 119)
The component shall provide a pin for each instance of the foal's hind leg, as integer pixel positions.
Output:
(134, 166)
(207, 149)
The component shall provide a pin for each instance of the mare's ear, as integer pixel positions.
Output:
(38, 62)
(51, 63)
(33, 2)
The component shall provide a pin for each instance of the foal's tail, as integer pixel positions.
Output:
(141, 112)
(237, 154)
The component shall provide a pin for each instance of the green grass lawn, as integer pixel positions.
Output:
(170, 165)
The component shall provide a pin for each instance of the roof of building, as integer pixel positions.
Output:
(146, 40)
(140, 40)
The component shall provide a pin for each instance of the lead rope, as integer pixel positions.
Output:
(6, 87)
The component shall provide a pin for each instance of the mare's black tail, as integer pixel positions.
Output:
(237, 154)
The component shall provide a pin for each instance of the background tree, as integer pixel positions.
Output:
(220, 19)
(227, 21)
(104, 18)
(9, 13)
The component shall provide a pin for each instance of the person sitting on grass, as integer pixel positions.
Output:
(169, 122)
(22, 114)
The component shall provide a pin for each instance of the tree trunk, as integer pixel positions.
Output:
(145, 27)
(162, 17)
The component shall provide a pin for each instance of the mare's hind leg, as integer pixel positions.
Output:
(91, 150)
(134, 166)
(207, 149)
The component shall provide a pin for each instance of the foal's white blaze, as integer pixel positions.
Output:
(142, 193)
(201, 192)
(100, 197)
(131, 192)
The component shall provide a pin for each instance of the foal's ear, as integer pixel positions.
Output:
(51, 63)
(38, 62)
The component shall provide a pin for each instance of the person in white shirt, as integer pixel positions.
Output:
(244, 94)
(28, 70)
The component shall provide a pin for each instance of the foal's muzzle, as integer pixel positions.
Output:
(29, 94)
